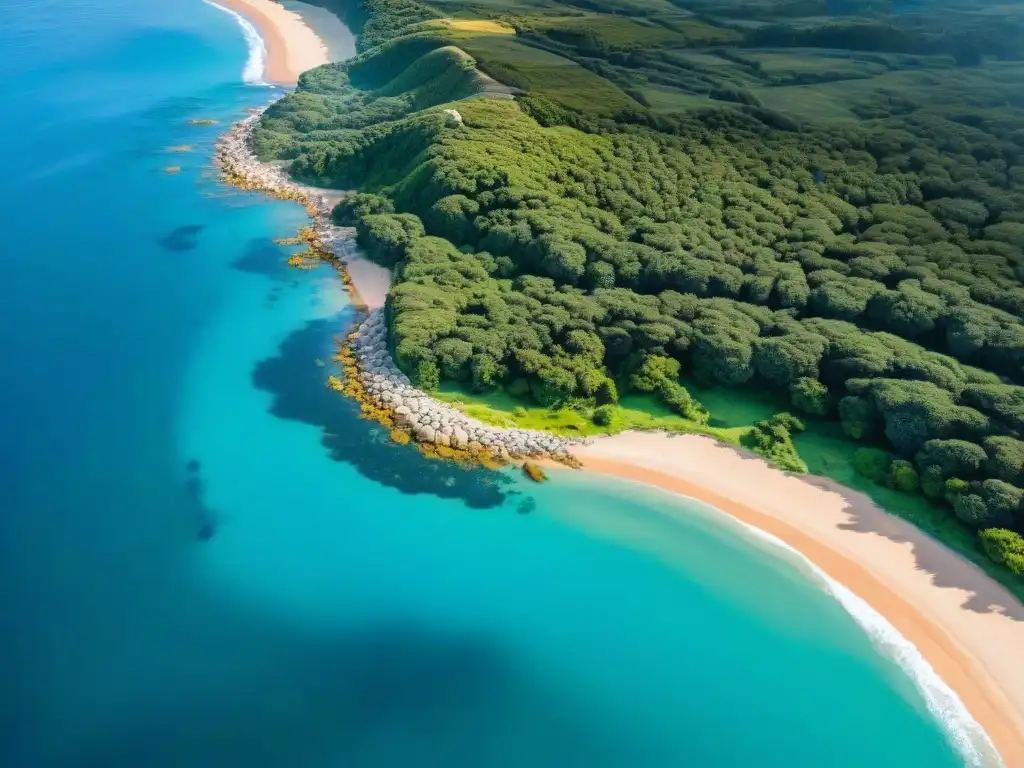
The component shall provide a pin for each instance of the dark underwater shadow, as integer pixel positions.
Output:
(204, 520)
(299, 393)
(396, 693)
(262, 257)
(182, 239)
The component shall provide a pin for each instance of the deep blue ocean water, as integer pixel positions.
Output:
(356, 604)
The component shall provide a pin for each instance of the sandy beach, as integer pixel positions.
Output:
(967, 626)
(292, 47)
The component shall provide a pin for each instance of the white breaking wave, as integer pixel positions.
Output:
(964, 731)
(255, 65)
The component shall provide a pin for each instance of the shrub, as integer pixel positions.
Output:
(788, 421)
(1002, 499)
(1004, 547)
(872, 463)
(772, 439)
(857, 415)
(518, 388)
(428, 375)
(607, 393)
(902, 476)
(955, 487)
(676, 397)
(971, 508)
(956, 458)
(552, 386)
(604, 415)
(1005, 458)
(933, 483)
(653, 371)
(810, 396)
(352, 208)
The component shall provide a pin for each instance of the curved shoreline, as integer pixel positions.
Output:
(965, 647)
(385, 393)
(292, 47)
(873, 554)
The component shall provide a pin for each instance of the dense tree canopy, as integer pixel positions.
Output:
(869, 269)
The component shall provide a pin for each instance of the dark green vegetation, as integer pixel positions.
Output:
(766, 196)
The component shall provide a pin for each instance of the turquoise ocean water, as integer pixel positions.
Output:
(207, 560)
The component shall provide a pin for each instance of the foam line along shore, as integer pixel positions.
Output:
(926, 626)
(289, 45)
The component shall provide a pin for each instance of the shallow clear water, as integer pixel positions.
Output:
(356, 605)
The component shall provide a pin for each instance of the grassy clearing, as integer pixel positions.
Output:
(795, 64)
(696, 32)
(984, 87)
(545, 74)
(704, 59)
(634, 412)
(810, 102)
(731, 408)
(664, 99)
(481, 26)
(611, 31)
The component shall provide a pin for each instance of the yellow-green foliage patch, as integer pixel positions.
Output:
(481, 26)
(640, 412)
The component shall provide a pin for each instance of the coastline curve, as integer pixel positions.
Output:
(965, 731)
(946, 650)
(255, 65)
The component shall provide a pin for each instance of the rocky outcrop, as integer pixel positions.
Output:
(386, 393)
(433, 422)
(241, 168)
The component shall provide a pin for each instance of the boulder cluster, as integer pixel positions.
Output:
(239, 163)
(430, 421)
(241, 168)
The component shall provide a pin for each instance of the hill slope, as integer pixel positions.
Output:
(637, 214)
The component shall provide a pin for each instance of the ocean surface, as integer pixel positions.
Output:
(207, 560)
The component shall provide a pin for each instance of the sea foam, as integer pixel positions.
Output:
(964, 731)
(252, 74)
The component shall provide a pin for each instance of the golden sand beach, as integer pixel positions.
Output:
(968, 627)
(292, 47)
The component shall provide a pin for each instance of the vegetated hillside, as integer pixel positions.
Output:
(636, 214)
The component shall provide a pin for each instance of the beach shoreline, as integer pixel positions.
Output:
(367, 283)
(292, 46)
(878, 557)
(875, 555)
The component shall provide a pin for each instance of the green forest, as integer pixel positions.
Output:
(593, 199)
